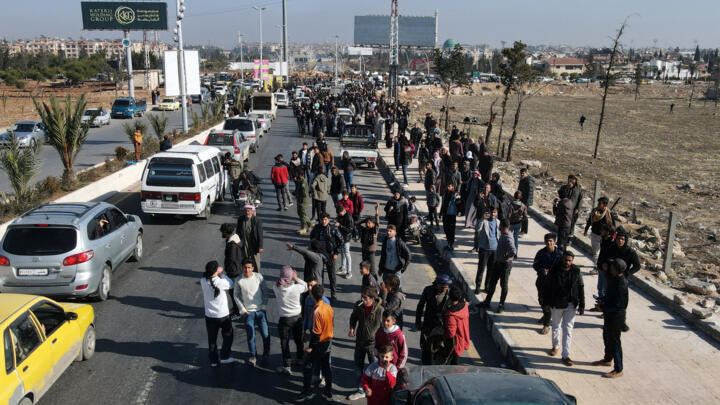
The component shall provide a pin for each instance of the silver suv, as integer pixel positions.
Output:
(68, 249)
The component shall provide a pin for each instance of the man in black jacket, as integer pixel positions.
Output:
(233, 257)
(527, 187)
(565, 294)
(330, 241)
(432, 305)
(614, 305)
(621, 250)
(573, 191)
(249, 229)
(395, 255)
(314, 260)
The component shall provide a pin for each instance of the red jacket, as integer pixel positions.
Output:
(380, 381)
(457, 325)
(279, 174)
(357, 201)
(396, 339)
(347, 204)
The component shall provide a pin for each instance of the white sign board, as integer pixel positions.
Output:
(357, 51)
(192, 73)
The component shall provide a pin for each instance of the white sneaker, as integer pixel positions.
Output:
(284, 370)
(258, 202)
(348, 275)
(322, 382)
(360, 394)
(341, 272)
(252, 361)
(229, 360)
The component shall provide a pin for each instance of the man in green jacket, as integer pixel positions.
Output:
(365, 320)
(302, 197)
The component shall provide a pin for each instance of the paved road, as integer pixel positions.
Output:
(152, 346)
(99, 144)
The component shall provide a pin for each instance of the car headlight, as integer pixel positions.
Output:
(23, 140)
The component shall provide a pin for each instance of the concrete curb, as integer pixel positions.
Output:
(500, 335)
(122, 180)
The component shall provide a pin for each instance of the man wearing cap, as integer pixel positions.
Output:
(597, 218)
(429, 314)
(249, 229)
(565, 294)
(288, 290)
(614, 305)
(280, 176)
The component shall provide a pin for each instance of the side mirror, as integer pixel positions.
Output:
(71, 316)
(130, 218)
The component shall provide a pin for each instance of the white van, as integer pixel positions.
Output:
(184, 180)
(281, 99)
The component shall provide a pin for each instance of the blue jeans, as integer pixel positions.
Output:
(348, 179)
(345, 259)
(602, 283)
(260, 318)
(404, 170)
(515, 229)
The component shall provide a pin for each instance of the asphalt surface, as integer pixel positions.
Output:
(152, 344)
(99, 144)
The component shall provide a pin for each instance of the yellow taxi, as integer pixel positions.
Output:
(40, 338)
(169, 104)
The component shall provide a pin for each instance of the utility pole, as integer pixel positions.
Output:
(336, 59)
(128, 57)
(262, 74)
(394, 48)
(146, 51)
(181, 62)
(285, 40)
(242, 71)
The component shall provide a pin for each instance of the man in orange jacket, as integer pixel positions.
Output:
(318, 352)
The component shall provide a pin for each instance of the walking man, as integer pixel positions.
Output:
(302, 198)
(330, 241)
(320, 344)
(251, 296)
(487, 234)
(429, 314)
(288, 290)
(565, 294)
(501, 269)
(545, 259)
(217, 316)
(573, 191)
(527, 187)
(365, 321)
(249, 229)
(394, 255)
(280, 177)
(614, 305)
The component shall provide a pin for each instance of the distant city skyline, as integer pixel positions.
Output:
(549, 22)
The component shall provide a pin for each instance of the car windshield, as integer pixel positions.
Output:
(121, 103)
(168, 100)
(91, 112)
(24, 127)
(220, 139)
(40, 241)
(238, 125)
(170, 173)
(280, 97)
(357, 132)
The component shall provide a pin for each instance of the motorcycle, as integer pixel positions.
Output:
(417, 228)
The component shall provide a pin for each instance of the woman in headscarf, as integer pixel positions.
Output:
(474, 187)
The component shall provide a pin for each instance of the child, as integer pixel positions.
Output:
(380, 377)
(433, 201)
(393, 298)
(368, 279)
(391, 335)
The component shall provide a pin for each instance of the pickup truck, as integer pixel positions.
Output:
(360, 144)
(128, 107)
(264, 103)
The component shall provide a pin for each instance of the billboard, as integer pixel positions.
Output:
(192, 73)
(357, 51)
(374, 30)
(115, 15)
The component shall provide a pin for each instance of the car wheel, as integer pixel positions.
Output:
(25, 401)
(33, 143)
(207, 211)
(372, 165)
(138, 252)
(88, 345)
(103, 291)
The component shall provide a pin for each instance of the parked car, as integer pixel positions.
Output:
(169, 104)
(41, 339)
(247, 127)
(184, 180)
(28, 134)
(68, 249)
(281, 99)
(220, 89)
(263, 119)
(99, 117)
(477, 385)
(199, 98)
(360, 144)
(230, 141)
(128, 107)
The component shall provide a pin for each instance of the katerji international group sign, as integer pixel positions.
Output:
(125, 16)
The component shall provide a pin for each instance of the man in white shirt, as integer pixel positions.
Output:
(288, 290)
(214, 286)
(251, 296)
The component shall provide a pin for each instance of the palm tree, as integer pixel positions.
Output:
(159, 124)
(21, 166)
(65, 130)
(130, 128)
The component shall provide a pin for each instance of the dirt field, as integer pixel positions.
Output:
(654, 160)
(19, 104)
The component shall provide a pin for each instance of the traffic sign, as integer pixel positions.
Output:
(126, 43)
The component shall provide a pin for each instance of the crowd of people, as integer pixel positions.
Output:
(459, 182)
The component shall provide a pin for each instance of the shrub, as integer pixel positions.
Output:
(121, 153)
(50, 185)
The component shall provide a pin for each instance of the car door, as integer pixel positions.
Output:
(212, 183)
(123, 240)
(10, 384)
(221, 175)
(100, 236)
(60, 335)
(33, 357)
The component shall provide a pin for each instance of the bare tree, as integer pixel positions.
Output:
(491, 120)
(692, 68)
(450, 66)
(638, 79)
(608, 80)
(514, 57)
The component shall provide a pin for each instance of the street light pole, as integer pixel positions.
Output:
(336, 58)
(242, 71)
(128, 56)
(262, 75)
(180, 4)
(285, 40)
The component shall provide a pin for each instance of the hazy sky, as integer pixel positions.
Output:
(552, 22)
